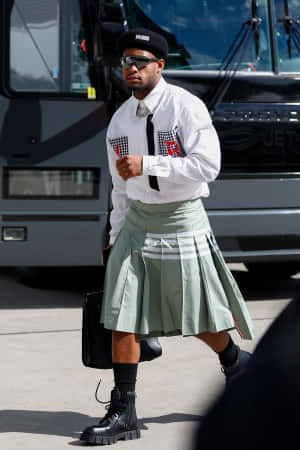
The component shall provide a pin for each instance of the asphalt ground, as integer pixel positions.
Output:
(47, 396)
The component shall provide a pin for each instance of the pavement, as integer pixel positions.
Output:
(47, 395)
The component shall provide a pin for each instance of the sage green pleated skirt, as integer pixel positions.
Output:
(166, 275)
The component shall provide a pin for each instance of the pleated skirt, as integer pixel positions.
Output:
(166, 275)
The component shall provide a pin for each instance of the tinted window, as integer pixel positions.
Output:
(50, 183)
(200, 32)
(288, 36)
(47, 47)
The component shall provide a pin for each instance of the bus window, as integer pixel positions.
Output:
(35, 183)
(288, 36)
(47, 47)
(201, 31)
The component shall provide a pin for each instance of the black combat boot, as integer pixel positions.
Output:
(120, 422)
(239, 366)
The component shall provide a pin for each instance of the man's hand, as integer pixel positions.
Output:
(130, 166)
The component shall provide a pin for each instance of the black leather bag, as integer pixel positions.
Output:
(97, 341)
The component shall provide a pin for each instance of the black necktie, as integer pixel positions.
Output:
(151, 150)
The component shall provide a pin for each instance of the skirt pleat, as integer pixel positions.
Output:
(166, 276)
(170, 289)
(237, 305)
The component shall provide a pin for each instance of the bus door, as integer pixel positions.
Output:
(54, 189)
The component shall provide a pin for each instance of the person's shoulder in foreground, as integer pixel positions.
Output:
(260, 409)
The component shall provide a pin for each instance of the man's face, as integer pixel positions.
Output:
(142, 80)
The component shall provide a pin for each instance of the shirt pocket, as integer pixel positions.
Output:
(120, 145)
(169, 144)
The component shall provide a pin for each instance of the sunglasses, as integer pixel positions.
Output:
(138, 61)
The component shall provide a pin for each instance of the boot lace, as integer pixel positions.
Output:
(113, 408)
(97, 398)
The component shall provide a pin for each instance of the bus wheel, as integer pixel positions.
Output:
(270, 270)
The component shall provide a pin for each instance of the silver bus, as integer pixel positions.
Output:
(61, 82)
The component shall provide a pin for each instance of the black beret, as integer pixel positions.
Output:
(144, 39)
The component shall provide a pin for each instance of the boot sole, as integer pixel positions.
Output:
(108, 440)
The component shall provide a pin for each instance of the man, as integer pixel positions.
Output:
(165, 275)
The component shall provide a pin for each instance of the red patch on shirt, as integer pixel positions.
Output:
(173, 147)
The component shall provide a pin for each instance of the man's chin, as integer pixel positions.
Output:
(137, 88)
(134, 86)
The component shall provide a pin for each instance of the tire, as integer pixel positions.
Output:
(271, 270)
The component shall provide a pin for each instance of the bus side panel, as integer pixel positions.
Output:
(256, 220)
(43, 139)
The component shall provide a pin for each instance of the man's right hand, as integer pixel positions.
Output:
(130, 166)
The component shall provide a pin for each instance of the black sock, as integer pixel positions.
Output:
(125, 377)
(229, 355)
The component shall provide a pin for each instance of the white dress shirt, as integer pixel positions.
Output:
(187, 150)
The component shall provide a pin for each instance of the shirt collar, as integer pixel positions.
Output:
(153, 98)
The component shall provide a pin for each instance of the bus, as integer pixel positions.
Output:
(61, 81)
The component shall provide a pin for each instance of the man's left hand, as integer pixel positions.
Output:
(130, 166)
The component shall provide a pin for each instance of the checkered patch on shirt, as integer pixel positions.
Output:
(120, 145)
(169, 144)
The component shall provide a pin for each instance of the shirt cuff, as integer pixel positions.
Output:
(112, 238)
(148, 165)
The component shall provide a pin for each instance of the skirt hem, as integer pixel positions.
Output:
(160, 333)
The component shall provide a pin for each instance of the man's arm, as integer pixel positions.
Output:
(201, 145)
(119, 196)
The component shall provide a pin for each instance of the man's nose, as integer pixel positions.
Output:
(133, 66)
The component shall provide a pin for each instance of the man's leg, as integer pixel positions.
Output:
(126, 353)
(232, 358)
(120, 422)
(125, 347)
(217, 341)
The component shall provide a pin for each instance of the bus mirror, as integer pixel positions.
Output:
(110, 24)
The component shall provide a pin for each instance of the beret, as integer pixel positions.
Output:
(144, 39)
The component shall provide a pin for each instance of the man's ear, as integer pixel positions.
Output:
(161, 65)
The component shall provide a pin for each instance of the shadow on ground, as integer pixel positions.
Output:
(69, 423)
(64, 287)
(256, 288)
(55, 288)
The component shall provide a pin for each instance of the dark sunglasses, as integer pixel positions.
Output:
(137, 61)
